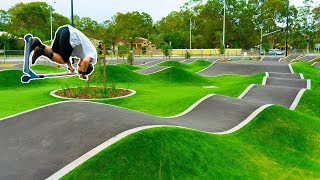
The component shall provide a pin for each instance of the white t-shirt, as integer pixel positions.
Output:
(82, 46)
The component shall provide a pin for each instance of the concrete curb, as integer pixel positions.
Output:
(246, 91)
(191, 107)
(155, 71)
(205, 69)
(297, 99)
(291, 69)
(301, 76)
(264, 81)
(247, 120)
(53, 93)
(308, 84)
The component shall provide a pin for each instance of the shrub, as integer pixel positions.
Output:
(130, 59)
(166, 50)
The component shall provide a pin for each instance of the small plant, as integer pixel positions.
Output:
(130, 59)
(75, 92)
(123, 50)
(166, 50)
(222, 49)
(63, 90)
(187, 55)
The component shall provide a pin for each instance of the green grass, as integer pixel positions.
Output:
(277, 144)
(43, 69)
(151, 89)
(192, 67)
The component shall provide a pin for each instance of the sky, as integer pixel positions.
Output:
(101, 10)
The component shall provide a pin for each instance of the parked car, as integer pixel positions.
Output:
(275, 52)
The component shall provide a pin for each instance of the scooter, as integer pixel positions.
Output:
(28, 73)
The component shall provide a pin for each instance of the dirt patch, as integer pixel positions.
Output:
(92, 93)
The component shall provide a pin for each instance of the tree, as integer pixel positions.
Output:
(33, 18)
(166, 50)
(4, 19)
(132, 25)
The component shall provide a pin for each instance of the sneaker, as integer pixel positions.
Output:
(35, 42)
(38, 51)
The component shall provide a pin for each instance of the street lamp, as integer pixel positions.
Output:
(190, 34)
(261, 33)
(51, 19)
(224, 24)
(72, 13)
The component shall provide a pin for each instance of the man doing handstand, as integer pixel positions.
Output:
(68, 42)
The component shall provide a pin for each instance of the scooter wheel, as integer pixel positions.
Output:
(25, 79)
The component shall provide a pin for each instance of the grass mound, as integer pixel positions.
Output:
(178, 75)
(117, 74)
(289, 149)
(192, 67)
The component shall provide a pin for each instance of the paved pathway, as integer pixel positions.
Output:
(271, 58)
(308, 58)
(245, 68)
(152, 70)
(317, 65)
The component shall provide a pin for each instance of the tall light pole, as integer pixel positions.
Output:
(224, 24)
(72, 13)
(261, 26)
(51, 20)
(287, 28)
(190, 35)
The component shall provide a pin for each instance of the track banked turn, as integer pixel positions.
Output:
(36, 144)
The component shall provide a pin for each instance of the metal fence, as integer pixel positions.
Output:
(11, 55)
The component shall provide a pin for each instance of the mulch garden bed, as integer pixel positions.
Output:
(92, 93)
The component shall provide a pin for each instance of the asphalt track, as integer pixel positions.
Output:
(152, 70)
(36, 144)
(245, 68)
(307, 58)
(290, 58)
(271, 58)
(317, 65)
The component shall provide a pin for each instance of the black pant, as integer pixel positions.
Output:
(61, 44)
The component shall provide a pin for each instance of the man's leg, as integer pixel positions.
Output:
(55, 57)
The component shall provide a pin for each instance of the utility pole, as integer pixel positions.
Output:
(190, 35)
(224, 24)
(72, 13)
(51, 20)
(287, 29)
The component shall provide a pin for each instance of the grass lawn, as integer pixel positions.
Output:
(278, 143)
(151, 89)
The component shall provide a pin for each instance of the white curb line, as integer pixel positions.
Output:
(264, 81)
(53, 93)
(246, 91)
(301, 76)
(291, 70)
(155, 71)
(205, 68)
(192, 106)
(247, 120)
(297, 99)
(308, 84)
